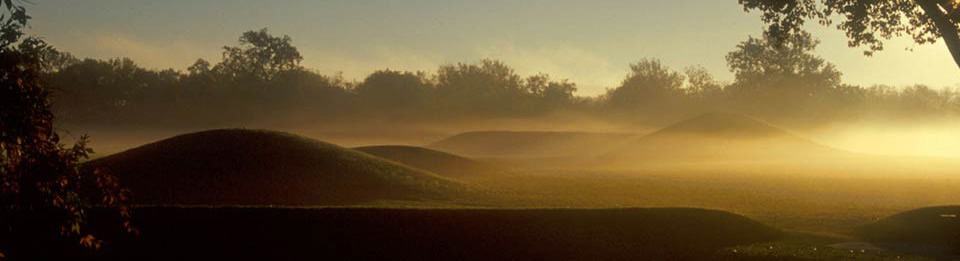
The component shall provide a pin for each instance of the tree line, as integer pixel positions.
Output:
(261, 79)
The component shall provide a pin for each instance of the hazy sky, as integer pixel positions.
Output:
(589, 42)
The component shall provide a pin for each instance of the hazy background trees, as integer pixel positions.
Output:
(776, 78)
(396, 90)
(782, 77)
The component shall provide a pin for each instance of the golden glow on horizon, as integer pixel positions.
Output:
(938, 141)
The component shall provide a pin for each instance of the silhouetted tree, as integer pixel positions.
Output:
(701, 83)
(96, 89)
(782, 76)
(649, 85)
(44, 195)
(199, 78)
(199, 67)
(55, 60)
(490, 87)
(391, 90)
(260, 56)
(308, 95)
(920, 101)
(867, 22)
(550, 94)
(757, 60)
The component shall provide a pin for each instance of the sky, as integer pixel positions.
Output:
(589, 42)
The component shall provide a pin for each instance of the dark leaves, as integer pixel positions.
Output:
(42, 187)
(260, 57)
(866, 22)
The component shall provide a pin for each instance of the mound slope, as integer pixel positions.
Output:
(528, 143)
(929, 231)
(717, 137)
(254, 167)
(432, 160)
(727, 125)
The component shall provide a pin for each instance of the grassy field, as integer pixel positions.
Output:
(822, 205)
(253, 233)
(816, 212)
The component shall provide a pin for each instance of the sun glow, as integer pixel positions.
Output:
(938, 141)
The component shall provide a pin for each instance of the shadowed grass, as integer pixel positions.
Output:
(435, 234)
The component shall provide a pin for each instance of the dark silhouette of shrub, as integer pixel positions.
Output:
(44, 196)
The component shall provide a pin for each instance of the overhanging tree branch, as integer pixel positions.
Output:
(947, 29)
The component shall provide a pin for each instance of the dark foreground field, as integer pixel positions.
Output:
(173, 233)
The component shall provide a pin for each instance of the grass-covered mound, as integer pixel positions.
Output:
(716, 137)
(434, 161)
(928, 231)
(436, 234)
(729, 125)
(255, 167)
(528, 143)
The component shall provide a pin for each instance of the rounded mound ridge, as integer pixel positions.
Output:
(259, 167)
(439, 162)
(927, 231)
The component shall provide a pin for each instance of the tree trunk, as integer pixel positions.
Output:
(947, 29)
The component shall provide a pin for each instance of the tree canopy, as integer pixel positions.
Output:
(867, 22)
(788, 59)
(783, 76)
(649, 83)
(260, 55)
(388, 89)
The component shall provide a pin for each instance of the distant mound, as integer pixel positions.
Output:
(528, 143)
(251, 167)
(725, 125)
(434, 161)
(437, 234)
(929, 231)
(716, 137)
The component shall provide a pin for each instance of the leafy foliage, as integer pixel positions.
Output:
(43, 193)
(768, 57)
(701, 84)
(782, 76)
(260, 56)
(553, 93)
(387, 89)
(866, 22)
(648, 83)
(490, 84)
